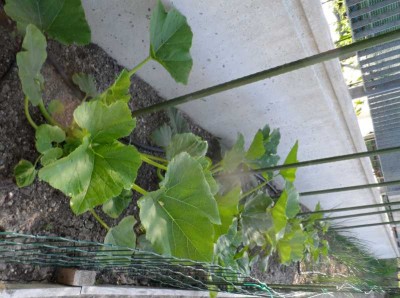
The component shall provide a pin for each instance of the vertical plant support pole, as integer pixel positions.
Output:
(314, 162)
(348, 188)
(272, 72)
(394, 222)
(349, 208)
(356, 215)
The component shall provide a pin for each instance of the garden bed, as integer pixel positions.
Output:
(41, 209)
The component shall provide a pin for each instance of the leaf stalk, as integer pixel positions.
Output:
(46, 114)
(28, 115)
(140, 190)
(139, 66)
(152, 162)
(156, 158)
(98, 218)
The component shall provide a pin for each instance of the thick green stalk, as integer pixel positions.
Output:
(349, 208)
(28, 115)
(261, 185)
(348, 188)
(156, 158)
(152, 162)
(98, 218)
(46, 114)
(139, 66)
(139, 189)
(272, 72)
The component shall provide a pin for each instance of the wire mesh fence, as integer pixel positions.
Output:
(157, 270)
(160, 270)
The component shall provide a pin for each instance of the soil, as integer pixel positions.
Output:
(40, 209)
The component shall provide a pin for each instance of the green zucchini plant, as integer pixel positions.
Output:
(201, 211)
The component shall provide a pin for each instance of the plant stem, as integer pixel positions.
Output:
(155, 157)
(46, 114)
(261, 185)
(152, 162)
(97, 217)
(28, 116)
(272, 72)
(139, 66)
(139, 189)
(217, 165)
(217, 169)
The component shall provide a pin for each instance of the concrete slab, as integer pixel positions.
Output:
(34, 290)
(236, 38)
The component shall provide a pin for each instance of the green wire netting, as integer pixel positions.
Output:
(49, 251)
(166, 272)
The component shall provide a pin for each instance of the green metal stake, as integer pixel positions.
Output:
(355, 187)
(327, 160)
(349, 208)
(355, 215)
(367, 225)
(272, 72)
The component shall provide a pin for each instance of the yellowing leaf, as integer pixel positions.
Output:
(105, 123)
(119, 90)
(228, 209)
(290, 174)
(24, 173)
(30, 62)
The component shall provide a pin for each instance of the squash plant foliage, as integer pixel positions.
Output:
(201, 211)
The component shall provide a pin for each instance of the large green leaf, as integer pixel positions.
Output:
(170, 42)
(122, 236)
(105, 123)
(86, 83)
(286, 207)
(24, 173)
(100, 167)
(119, 90)
(291, 247)
(186, 142)
(118, 204)
(234, 157)
(30, 62)
(290, 174)
(228, 209)
(45, 136)
(63, 20)
(179, 217)
(256, 220)
(95, 174)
